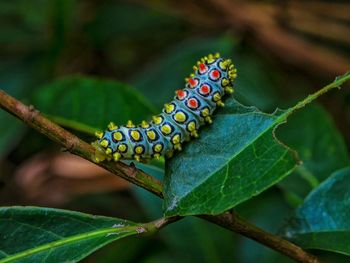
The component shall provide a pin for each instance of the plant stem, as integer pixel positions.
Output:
(130, 173)
(73, 144)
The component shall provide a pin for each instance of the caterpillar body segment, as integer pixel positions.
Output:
(179, 121)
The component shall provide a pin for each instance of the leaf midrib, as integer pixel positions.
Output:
(127, 231)
(276, 122)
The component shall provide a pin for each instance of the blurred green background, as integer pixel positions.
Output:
(85, 63)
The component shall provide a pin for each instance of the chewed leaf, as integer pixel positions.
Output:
(234, 159)
(33, 234)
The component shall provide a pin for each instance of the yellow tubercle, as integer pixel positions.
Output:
(225, 82)
(217, 55)
(220, 103)
(116, 156)
(191, 126)
(176, 139)
(158, 148)
(211, 58)
(157, 119)
(108, 151)
(169, 108)
(178, 147)
(156, 156)
(104, 143)
(130, 124)
(194, 134)
(205, 112)
(195, 68)
(99, 134)
(229, 90)
(217, 97)
(112, 126)
(144, 124)
(137, 157)
(208, 119)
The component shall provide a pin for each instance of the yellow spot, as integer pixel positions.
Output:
(156, 156)
(117, 156)
(220, 103)
(157, 119)
(191, 126)
(180, 117)
(178, 147)
(169, 108)
(144, 124)
(122, 147)
(99, 134)
(176, 139)
(139, 149)
(112, 126)
(135, 135)
(205, 112)
(129, 124)
(166, 129)
(151, 135)
(104, 143)
(192, 75)
(195, 68)
(158, 148)
(137, 158)
(108, 151)
(225, 82)
(208, 119)
(117, 136)
(194, 134)
(223, 65)
(217, 97)
(211, 58)
(229, 90)
(217, 55)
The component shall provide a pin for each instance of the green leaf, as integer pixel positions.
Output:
(33, 234)
(235, 159)
(321, 148)
(322, 221)
(94, 102)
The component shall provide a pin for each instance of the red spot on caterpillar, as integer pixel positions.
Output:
(202, 68)
(192, 103)
(215, 74)
(204, 89)
(193, 82)
(181, 94)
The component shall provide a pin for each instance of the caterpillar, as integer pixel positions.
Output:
(179, 120)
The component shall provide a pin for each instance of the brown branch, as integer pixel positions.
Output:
(240, 226)
(73, 144)
(76, 146)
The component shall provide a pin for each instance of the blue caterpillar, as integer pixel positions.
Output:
(180, 119)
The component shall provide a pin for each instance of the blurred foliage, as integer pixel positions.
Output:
(58, 56)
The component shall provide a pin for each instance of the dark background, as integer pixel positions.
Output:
(283, 50)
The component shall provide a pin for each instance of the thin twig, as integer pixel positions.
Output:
(130, 173)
